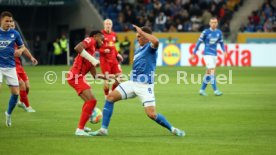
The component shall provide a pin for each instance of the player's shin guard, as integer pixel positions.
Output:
(107, 113)
(160, 119)
(213, 82)
(86, 112)
(24, 98)
(12, 103)
(206, 79)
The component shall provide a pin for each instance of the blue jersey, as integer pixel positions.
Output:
(7, 42)
(144, 64)
(210, 38)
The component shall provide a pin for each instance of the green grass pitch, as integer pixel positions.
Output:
(242, 121)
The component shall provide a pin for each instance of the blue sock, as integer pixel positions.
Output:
(107, 113)
(213, 82)
(160, 119)
(12, 103)
(206, 79)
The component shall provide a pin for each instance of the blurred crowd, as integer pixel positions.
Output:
(168, 15)
(262, 19)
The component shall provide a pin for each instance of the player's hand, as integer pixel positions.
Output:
(34, 61)
(225, 55)
(107, 50)
(192, 57)
(138, 29)
(120, 58)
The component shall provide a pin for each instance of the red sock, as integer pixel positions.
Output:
(114, 86)
(24, 98)
(106, 91)
(86, 112)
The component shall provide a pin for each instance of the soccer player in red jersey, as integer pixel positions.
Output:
(109, 56)
(24, 84)
(84, 63)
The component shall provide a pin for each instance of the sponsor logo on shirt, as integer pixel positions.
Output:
(4, 44)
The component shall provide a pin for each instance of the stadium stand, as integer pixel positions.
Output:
(169, 15)
(263, 19)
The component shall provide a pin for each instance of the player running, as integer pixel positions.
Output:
(211, 37)
(141, 84)
(109, 55)
(24, 84)
(8, 38)
(85, 62)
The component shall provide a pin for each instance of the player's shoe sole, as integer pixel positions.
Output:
(30, 109)
(22, 105)
(81, 133)
(178, 132)
(8, 119)
(218, 93)
(100, 132)
(203, 93)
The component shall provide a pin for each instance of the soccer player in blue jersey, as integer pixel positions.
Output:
(141, 84)
(8, 38)
(211, 37)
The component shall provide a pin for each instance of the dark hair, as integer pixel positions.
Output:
(147, 29)
(92, 33)
(6, 13)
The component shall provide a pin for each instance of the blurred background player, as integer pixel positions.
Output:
(109, 56)
(211, 37)
(24, 84)
(85, 62)
(8, 38)
(141, 84)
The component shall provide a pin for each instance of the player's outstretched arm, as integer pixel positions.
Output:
(80, 48)
(154, 40)
(28, 54)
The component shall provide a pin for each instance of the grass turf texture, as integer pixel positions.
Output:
(242, 121)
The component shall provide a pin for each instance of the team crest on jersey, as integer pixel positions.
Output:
(4, 44)
(217, 35)
(12, 35)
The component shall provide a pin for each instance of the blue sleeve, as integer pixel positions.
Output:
(18, 39)
(153, 50)
(221, 42)
(201, 38)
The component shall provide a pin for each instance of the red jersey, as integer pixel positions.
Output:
(109, 43)
(81, 65)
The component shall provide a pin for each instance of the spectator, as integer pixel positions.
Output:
(206, 16)
(160, 22)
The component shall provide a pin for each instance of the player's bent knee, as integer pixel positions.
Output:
(152, 115)
(114, 96)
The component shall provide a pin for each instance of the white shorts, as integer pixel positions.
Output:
(145, 92)
(210, 60)
(10, 75)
